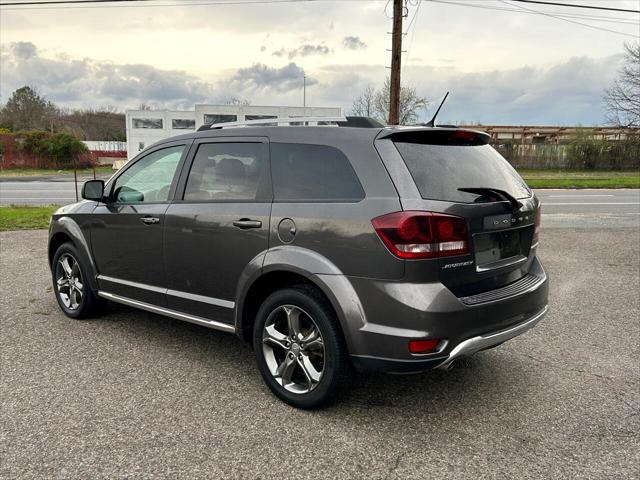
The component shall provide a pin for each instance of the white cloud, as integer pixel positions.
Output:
(353, 43)
(260, 77)
(567, 92)
(88, 82)
(302, 51)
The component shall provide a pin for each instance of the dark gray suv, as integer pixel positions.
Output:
(395, 249)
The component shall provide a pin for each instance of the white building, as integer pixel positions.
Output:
(145, 127)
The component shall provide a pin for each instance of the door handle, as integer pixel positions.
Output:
(245, 223)
(150, 220)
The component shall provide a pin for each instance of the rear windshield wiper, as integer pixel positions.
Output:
(506, 196)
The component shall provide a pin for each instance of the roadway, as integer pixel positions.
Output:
(42, 190)
(560, 207)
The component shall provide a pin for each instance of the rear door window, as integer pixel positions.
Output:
(313, 173)
(440, 170)
(229, 172)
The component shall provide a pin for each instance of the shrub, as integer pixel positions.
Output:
(64, 147)
(586, 151)
(59, 148)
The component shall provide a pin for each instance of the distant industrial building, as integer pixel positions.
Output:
(531, 134)
(145, 127)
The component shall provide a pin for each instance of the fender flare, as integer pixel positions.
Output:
(316, 269)
(70, 227)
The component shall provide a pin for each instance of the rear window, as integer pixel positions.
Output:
(312, 173)
(440, 170)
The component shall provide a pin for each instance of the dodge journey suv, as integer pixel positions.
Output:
(394, 249)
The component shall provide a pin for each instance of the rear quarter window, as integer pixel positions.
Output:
(313, 173)
(440, 170)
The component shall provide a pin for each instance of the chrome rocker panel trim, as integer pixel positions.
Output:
(481, 342)
(174, 293)
(167, 312)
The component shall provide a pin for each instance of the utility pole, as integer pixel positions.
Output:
(304, 93)
(396, 55)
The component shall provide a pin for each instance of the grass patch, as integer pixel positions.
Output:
(580, 179)
(25, 218)
(32, 172)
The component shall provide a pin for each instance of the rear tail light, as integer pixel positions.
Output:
(536, 227)
(415, 234)
(423, 346)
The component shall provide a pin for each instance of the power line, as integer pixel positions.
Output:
(517, 8)
(51, 4)
(531, 11)
(595, 27)
(64, 2)
(577, 5)
(58, 4)
(413, 24)
(68, 4)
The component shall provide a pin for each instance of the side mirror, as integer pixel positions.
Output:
(93, 190)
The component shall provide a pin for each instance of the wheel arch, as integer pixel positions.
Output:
(287, 266)
(63, 230)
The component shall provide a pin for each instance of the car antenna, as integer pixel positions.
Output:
(432, 122)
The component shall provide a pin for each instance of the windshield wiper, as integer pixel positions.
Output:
(506, 196)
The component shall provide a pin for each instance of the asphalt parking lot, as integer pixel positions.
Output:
(136, 395)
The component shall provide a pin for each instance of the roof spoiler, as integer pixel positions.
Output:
(437, 136)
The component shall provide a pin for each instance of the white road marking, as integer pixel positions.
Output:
(586, 203)
(574, 196)
(40, 198)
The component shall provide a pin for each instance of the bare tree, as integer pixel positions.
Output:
(375, 103)
(410, 103)
(364, 105)
(622, 99)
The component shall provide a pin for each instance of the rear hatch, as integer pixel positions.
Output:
(458, 174)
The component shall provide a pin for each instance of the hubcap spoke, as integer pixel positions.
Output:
(274, 338)
(73, 297)
(313, 341)
(66, 266)
(293, 320)
(285, 370)
(312, 375)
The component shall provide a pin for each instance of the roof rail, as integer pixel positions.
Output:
(279, 120)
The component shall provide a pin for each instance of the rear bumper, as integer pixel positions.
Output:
(462, 349)
(396, 312)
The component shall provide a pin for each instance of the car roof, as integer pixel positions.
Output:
(310, 134)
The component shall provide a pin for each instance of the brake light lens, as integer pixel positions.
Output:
(536, 223)
(415, 234)
(423, 346)
(463, 136)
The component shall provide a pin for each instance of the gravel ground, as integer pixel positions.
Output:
(136, 395)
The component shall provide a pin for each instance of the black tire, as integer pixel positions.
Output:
(336, 367)
(88, 303)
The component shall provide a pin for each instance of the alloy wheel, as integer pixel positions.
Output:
(69, 282)
(293, 348)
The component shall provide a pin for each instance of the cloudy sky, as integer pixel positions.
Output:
(504, 62)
